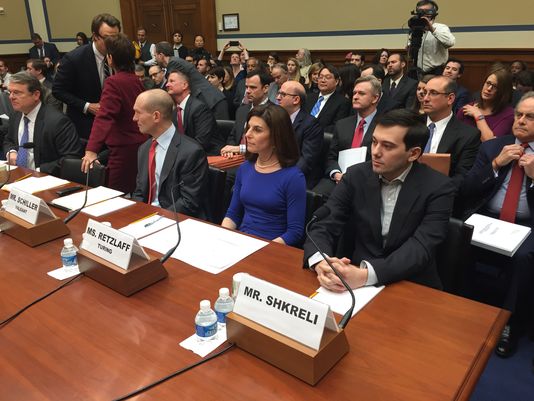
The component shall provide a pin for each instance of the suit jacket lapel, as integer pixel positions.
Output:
(372, 200)
(37, 135)
(170, 158)
(447, 138)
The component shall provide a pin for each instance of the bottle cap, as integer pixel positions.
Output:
(205, 304)
(224, 292)
(67, 242)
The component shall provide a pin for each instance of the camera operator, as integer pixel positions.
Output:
(436, 38)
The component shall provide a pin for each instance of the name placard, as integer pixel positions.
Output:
(110, 244)
(26, 206)
(286, 312)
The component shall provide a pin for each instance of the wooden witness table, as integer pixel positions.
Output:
(87, 342)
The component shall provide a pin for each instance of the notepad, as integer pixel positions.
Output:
(94, 195)
(32, 185)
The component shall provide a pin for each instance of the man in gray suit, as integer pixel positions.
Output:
(200, 87)
(169, 162)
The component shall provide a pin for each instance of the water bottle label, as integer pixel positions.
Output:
(206, 331)
(221, 316)
(69, 260)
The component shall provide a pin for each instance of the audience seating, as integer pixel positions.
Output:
(71, 170)
(217, 183)
(224, 127)
(453, 256)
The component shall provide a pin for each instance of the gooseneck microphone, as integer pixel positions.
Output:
(320, 214)
(77, 211)
(171, 251)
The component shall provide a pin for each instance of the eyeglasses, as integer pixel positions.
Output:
(490, 85)
(433, 93)
(284, 94)
(155, 73)
(326, 77)
(528, 116)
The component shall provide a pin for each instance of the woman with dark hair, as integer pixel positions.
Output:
(515, 68)
(269, 197)
(381, 58)
(348, 73)
(272, 60)
(113, 125)
(177, 45)
(81, 39)
(493, 114)
(420, 94)
(198, 52)
(216, 76)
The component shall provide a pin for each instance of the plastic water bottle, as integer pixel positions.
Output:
(223, 305)
(69, 255)
(206, 322)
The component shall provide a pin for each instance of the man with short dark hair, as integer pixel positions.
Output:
(447, 134)
(50, 133)
(357, 58)
(157, 75)
(397, 209)
(200, 87)
(147, 49)
(193, 118)
(169, 162)
(43, 49)
(203, 66)
(280, 75)
(37, 68)
(454, 69)
(257, 85)
(308, 132)
(397, 86)
(4, 75)
(80, 77)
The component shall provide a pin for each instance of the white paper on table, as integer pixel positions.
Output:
(497, 235)
(62, 273)
(94, 195)
(4, 163)
(350, 157)
(203, 348)
(4, 116)
(340, 302)
(108, 206)
(32, 185)
(145, 227)
(226, 247)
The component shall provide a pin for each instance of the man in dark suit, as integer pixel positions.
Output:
(158, 77)
(42, 49)
(400, 210)
(50, 135)
(193, 118)
(169, 162)
(454, 70)
(352, 132)
(500, 185)
(329, 105)
(200, 87)
(80, 77)
(37, 68)
(308, 131)
(447, 134)
(147, 49)
(398, 87)
(257, 86)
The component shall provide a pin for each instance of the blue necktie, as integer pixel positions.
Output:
(22, 154)
(317, 106)
(432, 128)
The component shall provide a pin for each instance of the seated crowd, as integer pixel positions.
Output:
(150, 112)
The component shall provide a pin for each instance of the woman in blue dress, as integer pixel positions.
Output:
(269, 197)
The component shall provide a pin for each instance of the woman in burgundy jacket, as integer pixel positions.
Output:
(113, 125)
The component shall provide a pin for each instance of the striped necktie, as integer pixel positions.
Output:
(317, 106)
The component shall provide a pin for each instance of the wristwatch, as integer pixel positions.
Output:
(480, 117)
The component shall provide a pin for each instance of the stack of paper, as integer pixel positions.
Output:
(94, 195)
(350, 157)
(341, 302)
(497, 235)
(32, 185)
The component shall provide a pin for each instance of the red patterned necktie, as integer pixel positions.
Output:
(152, 172)
(358, 135)
(511, 199)
(179, 119)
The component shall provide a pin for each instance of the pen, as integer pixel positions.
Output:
(144, 218)
(314, 294)
(23, 177)
(153, 221)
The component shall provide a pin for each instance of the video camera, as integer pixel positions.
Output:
(417, 22)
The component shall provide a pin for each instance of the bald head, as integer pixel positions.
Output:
(291, 96)
(153, 112)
